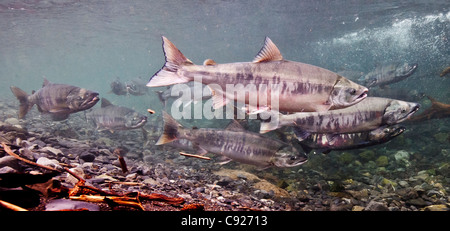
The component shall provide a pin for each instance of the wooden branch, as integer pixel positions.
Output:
(111, 200)
(11, 206)
(11, 153)
(195, 156)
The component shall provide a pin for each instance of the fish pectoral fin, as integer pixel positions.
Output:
(224, 160)
(254, 110)
(219, 99)
(199, 150)
(300, 133)
(269, 52)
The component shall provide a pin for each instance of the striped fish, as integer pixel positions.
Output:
(369, 115)
(234, 143)
(111, 117)
(387, 74)
(57, 100)
(299, 86)
(345, 141)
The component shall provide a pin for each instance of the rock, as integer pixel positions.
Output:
(10, 162)
(71, 179)
(386, 182)
(87, 156)
(407, 193)
(417, 202)
(12, 121)
(65, 204)
(367, 155)
(52, 150)
(233, 174)
(402, 158)
(150, 181)
(403, 183)
(48, 162)
(441, 137)
(382, 161)
(357, 208)
(7, 169)
(440, 207)
(345, 158)
(267, 186)
(376, 206)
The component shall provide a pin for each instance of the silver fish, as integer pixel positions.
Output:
(57, 100)
(345, 141)
(387, 74)
(177, 92)
(369, 115)
(136, 87)
(234, 143)
(297, 86)
(118, 88)
(111, 117)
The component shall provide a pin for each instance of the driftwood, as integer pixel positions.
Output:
(10, 206)
(11, 153)
(195, 156)
(437, 110)
(84, 192)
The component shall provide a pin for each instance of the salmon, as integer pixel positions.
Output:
(56, 100)
(268, 83)
(234, 143)
(371, 114)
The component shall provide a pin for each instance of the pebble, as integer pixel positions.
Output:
(376, 206)
(65, 204)
(12, 121)
(88, 157)
(48, 162)
(10, 162)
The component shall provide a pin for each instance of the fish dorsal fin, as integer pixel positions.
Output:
(106, 103)
(235, 126)
(46, 82)
(209, 62)
(269, 52)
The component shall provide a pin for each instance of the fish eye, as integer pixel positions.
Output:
(353, 91)
(293, 158)
(403, 110)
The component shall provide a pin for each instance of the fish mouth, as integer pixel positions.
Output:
(92, 102)
(363, 95)
(412, 69)
(398, 130)
(413, 110)
(141, 123)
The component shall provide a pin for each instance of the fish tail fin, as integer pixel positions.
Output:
(168, 75)
(170, 129)
(22, 96)
(270, 120)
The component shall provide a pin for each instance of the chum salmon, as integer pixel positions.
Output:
(57, 100)
(371, 114)
(295, 86)
(234, 143)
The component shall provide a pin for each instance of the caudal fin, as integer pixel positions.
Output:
(270, 120)
(22, 96)
(170, 132)
(168, 75)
